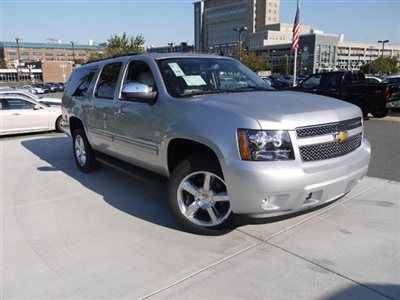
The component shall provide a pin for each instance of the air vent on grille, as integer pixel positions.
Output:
(331, 149)
(310, 131)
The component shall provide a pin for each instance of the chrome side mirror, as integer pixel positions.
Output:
(137, 91)
(37, 107)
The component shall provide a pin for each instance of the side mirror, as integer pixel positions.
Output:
(37, 107)
(137, 91)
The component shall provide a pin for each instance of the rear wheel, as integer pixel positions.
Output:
(84, 155)
(381, 113)
(198, 197)
(58, 124)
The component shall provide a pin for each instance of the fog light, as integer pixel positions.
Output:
(268, 204)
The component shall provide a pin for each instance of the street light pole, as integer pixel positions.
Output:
(383, 42)
(18, 54)
(239, 30)
(73, 51)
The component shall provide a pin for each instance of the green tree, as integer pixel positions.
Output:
(3, 64)
(255, 62)
(387, 65)
(124, 44)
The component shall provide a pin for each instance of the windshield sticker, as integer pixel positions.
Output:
(176, 69)
(194, 80)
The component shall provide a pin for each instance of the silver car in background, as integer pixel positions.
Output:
(229, 144)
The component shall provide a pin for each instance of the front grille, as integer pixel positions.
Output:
(331, 149)
(330, 128)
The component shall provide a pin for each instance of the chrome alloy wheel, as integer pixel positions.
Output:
(80, 151)
(203, 199)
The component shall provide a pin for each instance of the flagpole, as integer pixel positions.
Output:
(295, 67)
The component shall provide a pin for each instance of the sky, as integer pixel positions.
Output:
(164, 21)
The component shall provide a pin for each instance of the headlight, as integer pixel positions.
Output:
(265, 145)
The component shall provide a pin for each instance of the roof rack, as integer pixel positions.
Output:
(114, 56)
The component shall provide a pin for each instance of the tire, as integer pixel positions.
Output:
(194, 209)
(84, 155)
(58, 124)
(380, 113)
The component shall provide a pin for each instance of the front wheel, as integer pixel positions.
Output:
(381, 113)
(198, 197)
(58, 124)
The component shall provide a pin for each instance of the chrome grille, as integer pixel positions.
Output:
(331, 149)
(330, 128)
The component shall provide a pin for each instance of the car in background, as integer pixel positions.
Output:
(373, 79)
(21, 114)
(26, 93)
(61, 86)
(40, 88)
(350, 86)
(51, 87)
(393, 81)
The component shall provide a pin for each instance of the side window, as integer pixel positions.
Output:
(312, 82)
(19, 104)
(139, 71)
(331, 80)
(108, 81)
(79, 82)
(1, 104)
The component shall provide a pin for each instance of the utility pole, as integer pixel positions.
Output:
(73, 51)
(18, 54)
(383, 42)
(287, 64)
(239, 30)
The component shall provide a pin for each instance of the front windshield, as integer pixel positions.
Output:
(195, 76)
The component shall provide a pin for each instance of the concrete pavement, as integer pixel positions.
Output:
(108, 235)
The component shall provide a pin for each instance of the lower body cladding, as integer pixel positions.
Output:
(271, 189)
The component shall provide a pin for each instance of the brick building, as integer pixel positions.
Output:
(10, 52)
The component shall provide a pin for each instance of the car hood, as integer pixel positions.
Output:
(283, 110)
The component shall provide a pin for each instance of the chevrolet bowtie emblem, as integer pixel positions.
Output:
(341, 136)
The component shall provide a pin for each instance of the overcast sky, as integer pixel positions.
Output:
(166, 21)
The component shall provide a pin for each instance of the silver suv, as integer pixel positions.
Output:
(229, 144)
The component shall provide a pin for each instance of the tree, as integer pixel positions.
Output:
(3, 64)
(387, 65)
(124, 45)
(254, 62)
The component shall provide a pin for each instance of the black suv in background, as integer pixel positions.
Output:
(350, 86)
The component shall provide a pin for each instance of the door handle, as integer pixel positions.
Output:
(92, 108)
(119, 113)
(15, 114)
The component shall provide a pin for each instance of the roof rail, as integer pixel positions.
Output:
(114, 56)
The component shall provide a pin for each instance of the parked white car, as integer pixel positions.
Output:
(24, 92)
(20, 114)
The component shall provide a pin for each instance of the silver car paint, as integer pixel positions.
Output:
(140, 134)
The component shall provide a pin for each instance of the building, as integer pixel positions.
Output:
(25, 52)
(320, 52)
(182, 48)
(214, 21)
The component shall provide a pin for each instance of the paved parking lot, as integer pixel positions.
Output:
(110, 235)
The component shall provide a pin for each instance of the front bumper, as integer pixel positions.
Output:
(270, 189)
(65, 125)
(393, 104)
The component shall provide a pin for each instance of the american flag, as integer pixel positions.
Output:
(296, 29)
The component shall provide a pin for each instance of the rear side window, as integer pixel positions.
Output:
(79, 82)
(107, 82)
(18, 104)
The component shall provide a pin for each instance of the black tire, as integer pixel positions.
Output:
(90, 163)
(185, 168)
(58, 124)
(380, 113)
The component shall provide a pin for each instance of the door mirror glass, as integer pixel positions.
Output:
(137, 91)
